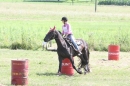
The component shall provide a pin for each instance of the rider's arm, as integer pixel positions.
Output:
(69, 29)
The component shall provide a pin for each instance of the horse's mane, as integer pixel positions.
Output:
(59, 33)
(65, 39)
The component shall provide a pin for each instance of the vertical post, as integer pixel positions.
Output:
(95, 5)
(50, 43)
(72, 2)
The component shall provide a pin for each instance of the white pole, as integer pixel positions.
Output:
(95, 5)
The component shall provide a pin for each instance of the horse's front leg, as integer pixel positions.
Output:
(72, 61)
(60, 64)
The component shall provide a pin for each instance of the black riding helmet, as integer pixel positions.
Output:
(64, 19)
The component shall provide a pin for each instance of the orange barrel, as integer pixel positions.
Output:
(19, 72)
(67, 68)
(113, 52)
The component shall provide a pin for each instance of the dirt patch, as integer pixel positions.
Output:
(123, 62)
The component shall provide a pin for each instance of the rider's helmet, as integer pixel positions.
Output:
(64, 19)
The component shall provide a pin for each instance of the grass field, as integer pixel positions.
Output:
(28, 22)
(43, 67)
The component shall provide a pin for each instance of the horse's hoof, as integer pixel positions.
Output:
(80, 72)
(59, 74)
(85, 73)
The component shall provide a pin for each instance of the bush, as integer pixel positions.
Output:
(17, 45)
(114, 2)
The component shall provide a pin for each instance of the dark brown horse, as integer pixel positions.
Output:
(66, 50)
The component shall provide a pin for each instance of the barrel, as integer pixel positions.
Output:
(67, 68)
(113, 52)
(19, 72)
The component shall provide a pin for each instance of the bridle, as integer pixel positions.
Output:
(54, 37)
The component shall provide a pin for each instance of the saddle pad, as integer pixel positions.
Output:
(78, 42)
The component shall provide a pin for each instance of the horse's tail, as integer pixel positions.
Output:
(85, 56)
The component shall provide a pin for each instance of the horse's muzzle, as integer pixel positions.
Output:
(45, 40)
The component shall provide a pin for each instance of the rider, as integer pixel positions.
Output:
(67, 32)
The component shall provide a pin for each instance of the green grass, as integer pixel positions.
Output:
(11, 0)
(31, 21)
(43, 66)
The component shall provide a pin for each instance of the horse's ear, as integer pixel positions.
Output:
(54, 28)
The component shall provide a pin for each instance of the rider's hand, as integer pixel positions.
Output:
(65, 36)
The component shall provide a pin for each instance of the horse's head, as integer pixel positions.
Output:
(50, 35)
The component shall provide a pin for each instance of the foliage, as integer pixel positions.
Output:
(114, 2)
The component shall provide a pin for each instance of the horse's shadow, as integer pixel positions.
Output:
(46, 74)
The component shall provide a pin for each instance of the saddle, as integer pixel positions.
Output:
(69, 42)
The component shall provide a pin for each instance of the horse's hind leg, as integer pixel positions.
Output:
(86, 69)
(72, 61)
(79, 69)
(86, 57)
(80, 63)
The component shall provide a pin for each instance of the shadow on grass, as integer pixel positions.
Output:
(50, 74)
(46, 74)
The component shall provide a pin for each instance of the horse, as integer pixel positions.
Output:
(66, 50)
